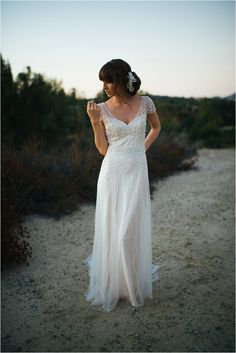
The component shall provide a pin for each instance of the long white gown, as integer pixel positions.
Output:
(120, 265)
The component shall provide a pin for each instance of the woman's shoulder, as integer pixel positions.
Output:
(147, 98)
(101, 106)
(149, 103)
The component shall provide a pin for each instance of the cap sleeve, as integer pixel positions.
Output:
(150, 106)
(100, 106)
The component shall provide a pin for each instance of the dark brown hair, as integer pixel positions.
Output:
(116, 71)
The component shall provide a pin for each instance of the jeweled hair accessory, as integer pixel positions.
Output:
(130, 81)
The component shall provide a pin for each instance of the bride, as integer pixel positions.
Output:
(120, 265)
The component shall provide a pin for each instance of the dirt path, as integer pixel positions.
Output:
(43, 305)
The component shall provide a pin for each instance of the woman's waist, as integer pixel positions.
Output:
(126, 149)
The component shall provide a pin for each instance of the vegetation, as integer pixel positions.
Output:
(209, 122)
(50, 164)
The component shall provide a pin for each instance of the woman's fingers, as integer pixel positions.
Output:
(91, 105)
(93, 110)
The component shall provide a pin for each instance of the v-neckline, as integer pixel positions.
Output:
(123, 122)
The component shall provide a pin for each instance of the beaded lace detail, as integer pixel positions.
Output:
(150, 107)
(124, 136)
(126, 150)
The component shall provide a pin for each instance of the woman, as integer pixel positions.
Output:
(120, 266)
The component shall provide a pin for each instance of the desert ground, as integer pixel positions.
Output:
(192, 309)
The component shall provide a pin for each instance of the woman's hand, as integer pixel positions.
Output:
(93, 112)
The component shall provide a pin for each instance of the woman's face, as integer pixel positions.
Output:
(109, 88)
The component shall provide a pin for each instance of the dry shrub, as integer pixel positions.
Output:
(14, 246)
(54, 189)
(169, 154)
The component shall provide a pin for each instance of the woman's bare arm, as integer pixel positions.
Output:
(155, 129)
(100, 138)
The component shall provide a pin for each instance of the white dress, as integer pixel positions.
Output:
(120, 265)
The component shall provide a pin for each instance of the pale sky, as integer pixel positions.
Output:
(177, 48)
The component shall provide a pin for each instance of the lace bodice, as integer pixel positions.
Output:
(127, 137)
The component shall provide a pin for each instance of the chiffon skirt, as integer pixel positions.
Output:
(120, 265)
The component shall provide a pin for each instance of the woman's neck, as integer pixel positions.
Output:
(118, 100)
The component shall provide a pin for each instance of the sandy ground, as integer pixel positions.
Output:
(43, 305)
